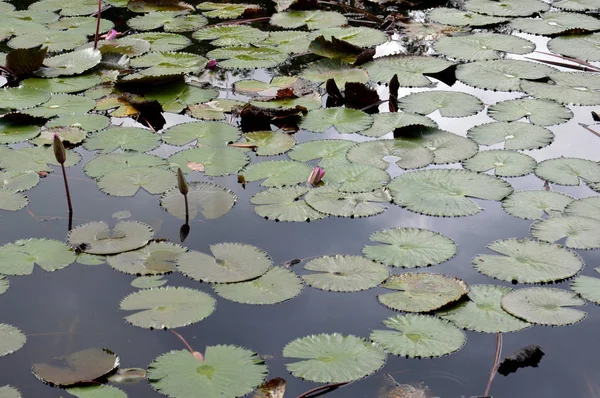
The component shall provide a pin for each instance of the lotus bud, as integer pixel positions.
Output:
(211, 65)
(181, 182)
(111, 35)
(316, 176)
(59, 150)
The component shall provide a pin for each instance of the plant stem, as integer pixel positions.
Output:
(98, 24)
(495, 364)
(187, 210)
(322, 388)
(64, 172)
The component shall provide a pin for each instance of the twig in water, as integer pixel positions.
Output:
(597, 134)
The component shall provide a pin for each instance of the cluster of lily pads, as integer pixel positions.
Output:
(74, 89)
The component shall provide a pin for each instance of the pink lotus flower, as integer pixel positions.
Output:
(212, 64)
(111, 35)
(316, 175)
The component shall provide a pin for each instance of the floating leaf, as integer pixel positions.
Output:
(344, 273)
(62, 104)
(587, 287)
(158, 6)
(11, 200)
(577, 5)
(98, 238)
(376, 153)
(449, 103)
(176, 97)
(421, 292)
(216, 161)
(333, 358)
(20, 257)
(167, 307)
(324, 69)
(356, 177)
(277, 172)
(212, 200)
(330, 152)
(554, 23)
(443, 192)
(148, 282)
(9, 392)
(127, 182)
(482, 46)
(313, 19)
(78, 367)
(55, 40)
(160, 41)
(544, 306)
(384, 123)
(169, 62)
(568, 171)
(507, 8)
(446, 147)
(329, 200)
(224, 10)
(410, 247)
(515, 136)
(4, 284)
(269, 143)
(534, 205)
(22, 97)
(289, 41)
(18, 180)
(86, 25)
(580, 232)
(582, 46)
(204, 133)
(284, 204)
(16, 130)
(172, 21)
(126, 138)
(359, 36)
(585, 207)
(34, 159)
(67, 7)
(87, 122)
(581, 88)
(72, 84)
(537, 111)
(11, 339)
(483, 312)
(232, 262)
(340, 49)
(528, 261)
(156, 258)
(249, 56)
(419, 336)
(227, 370)
(213, 110)
(409, 69)
(504, 163)
(90, 259)
(275, 286)
(502, 75)
(452, 16)
(96, 391)
(230, 35)
(121, 215)
(108, 163)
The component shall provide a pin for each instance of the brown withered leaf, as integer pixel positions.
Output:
(195, 166)
(334, 95)
(285, 93)
(274, 388)
(150, 111)
(24, 61)
(359, 96)
(393, 88)
(255, 118)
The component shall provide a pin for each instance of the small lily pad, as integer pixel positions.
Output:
(148, 282)
(103, 164)
(269, 143)
(330, 153)
(11, 339)
(544, 306)
(344, 273)
(78, 367)
(11, 200)
(98, 238)
(156, 258)
(449, 103)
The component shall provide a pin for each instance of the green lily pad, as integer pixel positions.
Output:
(410, 248)
(415, 291)
(269, 143)
(582, 46)
(483, 311)
(322, 70)
(55, 40)
(67, 7)
(12, 339)
(232, 262)
(356, 177)
(11, 200)
(528, 261)
(85, 25)
(501, 75)
(276, 173)
(156, 258)
(213, 110)
(87, 122)
(249, 57)
(454, 17)
(160, 41)
(72, 84)
(20, 257)
(333, 358)
(289, 41)
(18, 180)
(580, 88)
(22, 97)
(554, 23)
(285, 204)
(62, 104)
(544, 306)
(169, 61)
(34, 159)
(127, 182)
(9, 392)
(449, 103)
(577, 5)
(275, 286)
(410, 70)
(568, 171)
(359, 36)
(507, 8)
(580, 232)
(330, 152)
(444, 192)
(344, 273)
(211, 200)
(227, 370)
(384, 123)
(18, 27)
(90, 259)
(172, 21)
(377, 153)
(96, 391)
(167, 307)
(312, 19)
(504, 163)
(4, 284)
(204, 133)
(537, 111)
(148, 282)
(217, 161)
(584, 207)
(175, 98)
(230, 35)
(126, 138)
(13, 131)
(419, 336)
(73, 135)
(446, 147)
(329, 200)
(224, 10)
(515, 136)
(98, 238)
(534, 205)
(587, 287)
(103, 164)
(482, 46)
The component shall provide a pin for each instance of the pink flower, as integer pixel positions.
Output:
(212, 64)
(316, 175)
(111, 35)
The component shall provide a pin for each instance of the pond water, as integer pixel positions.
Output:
(78, 307)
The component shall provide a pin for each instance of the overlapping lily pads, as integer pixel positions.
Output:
(156, 258)
(331, 201)
(482, 46)
(344, 120)
(578, 232)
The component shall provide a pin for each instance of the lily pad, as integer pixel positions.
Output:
(544, 306)
(20, 257)
(126, 138)
(580, 88)
(504, 163)
(483, 311)
(534, 205)
(4, 284)
(156, 258)
(582, 46)
(554, 23)
(344, 273)
(410, 248)
(160, 41)
(71, 84)
(269, 143)
(167, 307)
(568, 171)
(359, 36)
(22, 97)
(444, 192)
(9, 392)
(482, 46)
(96, 391)
(18, 180)
(507, 8)
(384, 123)
(249, 57)
(584, 207)
(231, 35)
(127, 182)
(62, 104)
(98, 238)
(329, 200)
(227, 370)
(333, 358)
(324, 69)
(378, 153)
(78, 367)
(330, 153)
(452, 16)
(285, 204)
(103, 164)
(289, 41)
(537, 111)
(213, 110)
(501, 75)
(515, 136)
(87, 122)
(224, 10)
(217, 161)
(204, 133)
(577, 5)
(276, 173)
(587, 287)
(232, 262)
(528, 261)
(410, 70)
(211, 200)
(55, 40)
(313, 19)
(419, 336)
(449, 103)
(12, 339)
(421, 292)
(13, 131)
(67, 7)
(148, 282)
(34, 159)
(11, 200)
(580, 232)
(356, 177)
(275, 286)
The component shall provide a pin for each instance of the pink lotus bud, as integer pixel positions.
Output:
(59, 149)
(316, 175)
(212, 64)
(111, 35)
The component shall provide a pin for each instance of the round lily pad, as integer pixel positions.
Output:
(537, 111)
(103, 164)
(313, 19)
(160, 41)
(534, 205)
(285, 204)
(167, 307)
(356, 177)
(127, 182)
(324, 69)
(579, 88)
(211, 200)
(515, 136)
(421, 292)
(78, 367)
(22, 97)
(410, 70)
(345, 120)
(554, 23)
(55, 40)
(528, 261)
(411, 155)
(216, 161)
(98, 238)
(482, 46)
(587, 287)
(156, 258)
(577, 5)
(419, 336)
(276, 173)
(224, 10)
(507, 8)
(148, 282)
(330, 200)
(20, 257)
(455, 17)
(230, 35)
(62, 104)
(449, 103)
(483, 312)
(232, 262)
(344, 273)
(11, 200)
(18, 180)
(501, 75)
(329, 152)
(12, 339)
(568, 171)
(204, 133)
(275, 286)
(9, 392)
(333, 358)
(582, 46)
(446, 147)
(410, 247)
(127, 138)
(584, 207)
(12, 132)
(249, 56)
(384, 123)
(580, 232)
(503, 162)
(544, 306)
(269, 143)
